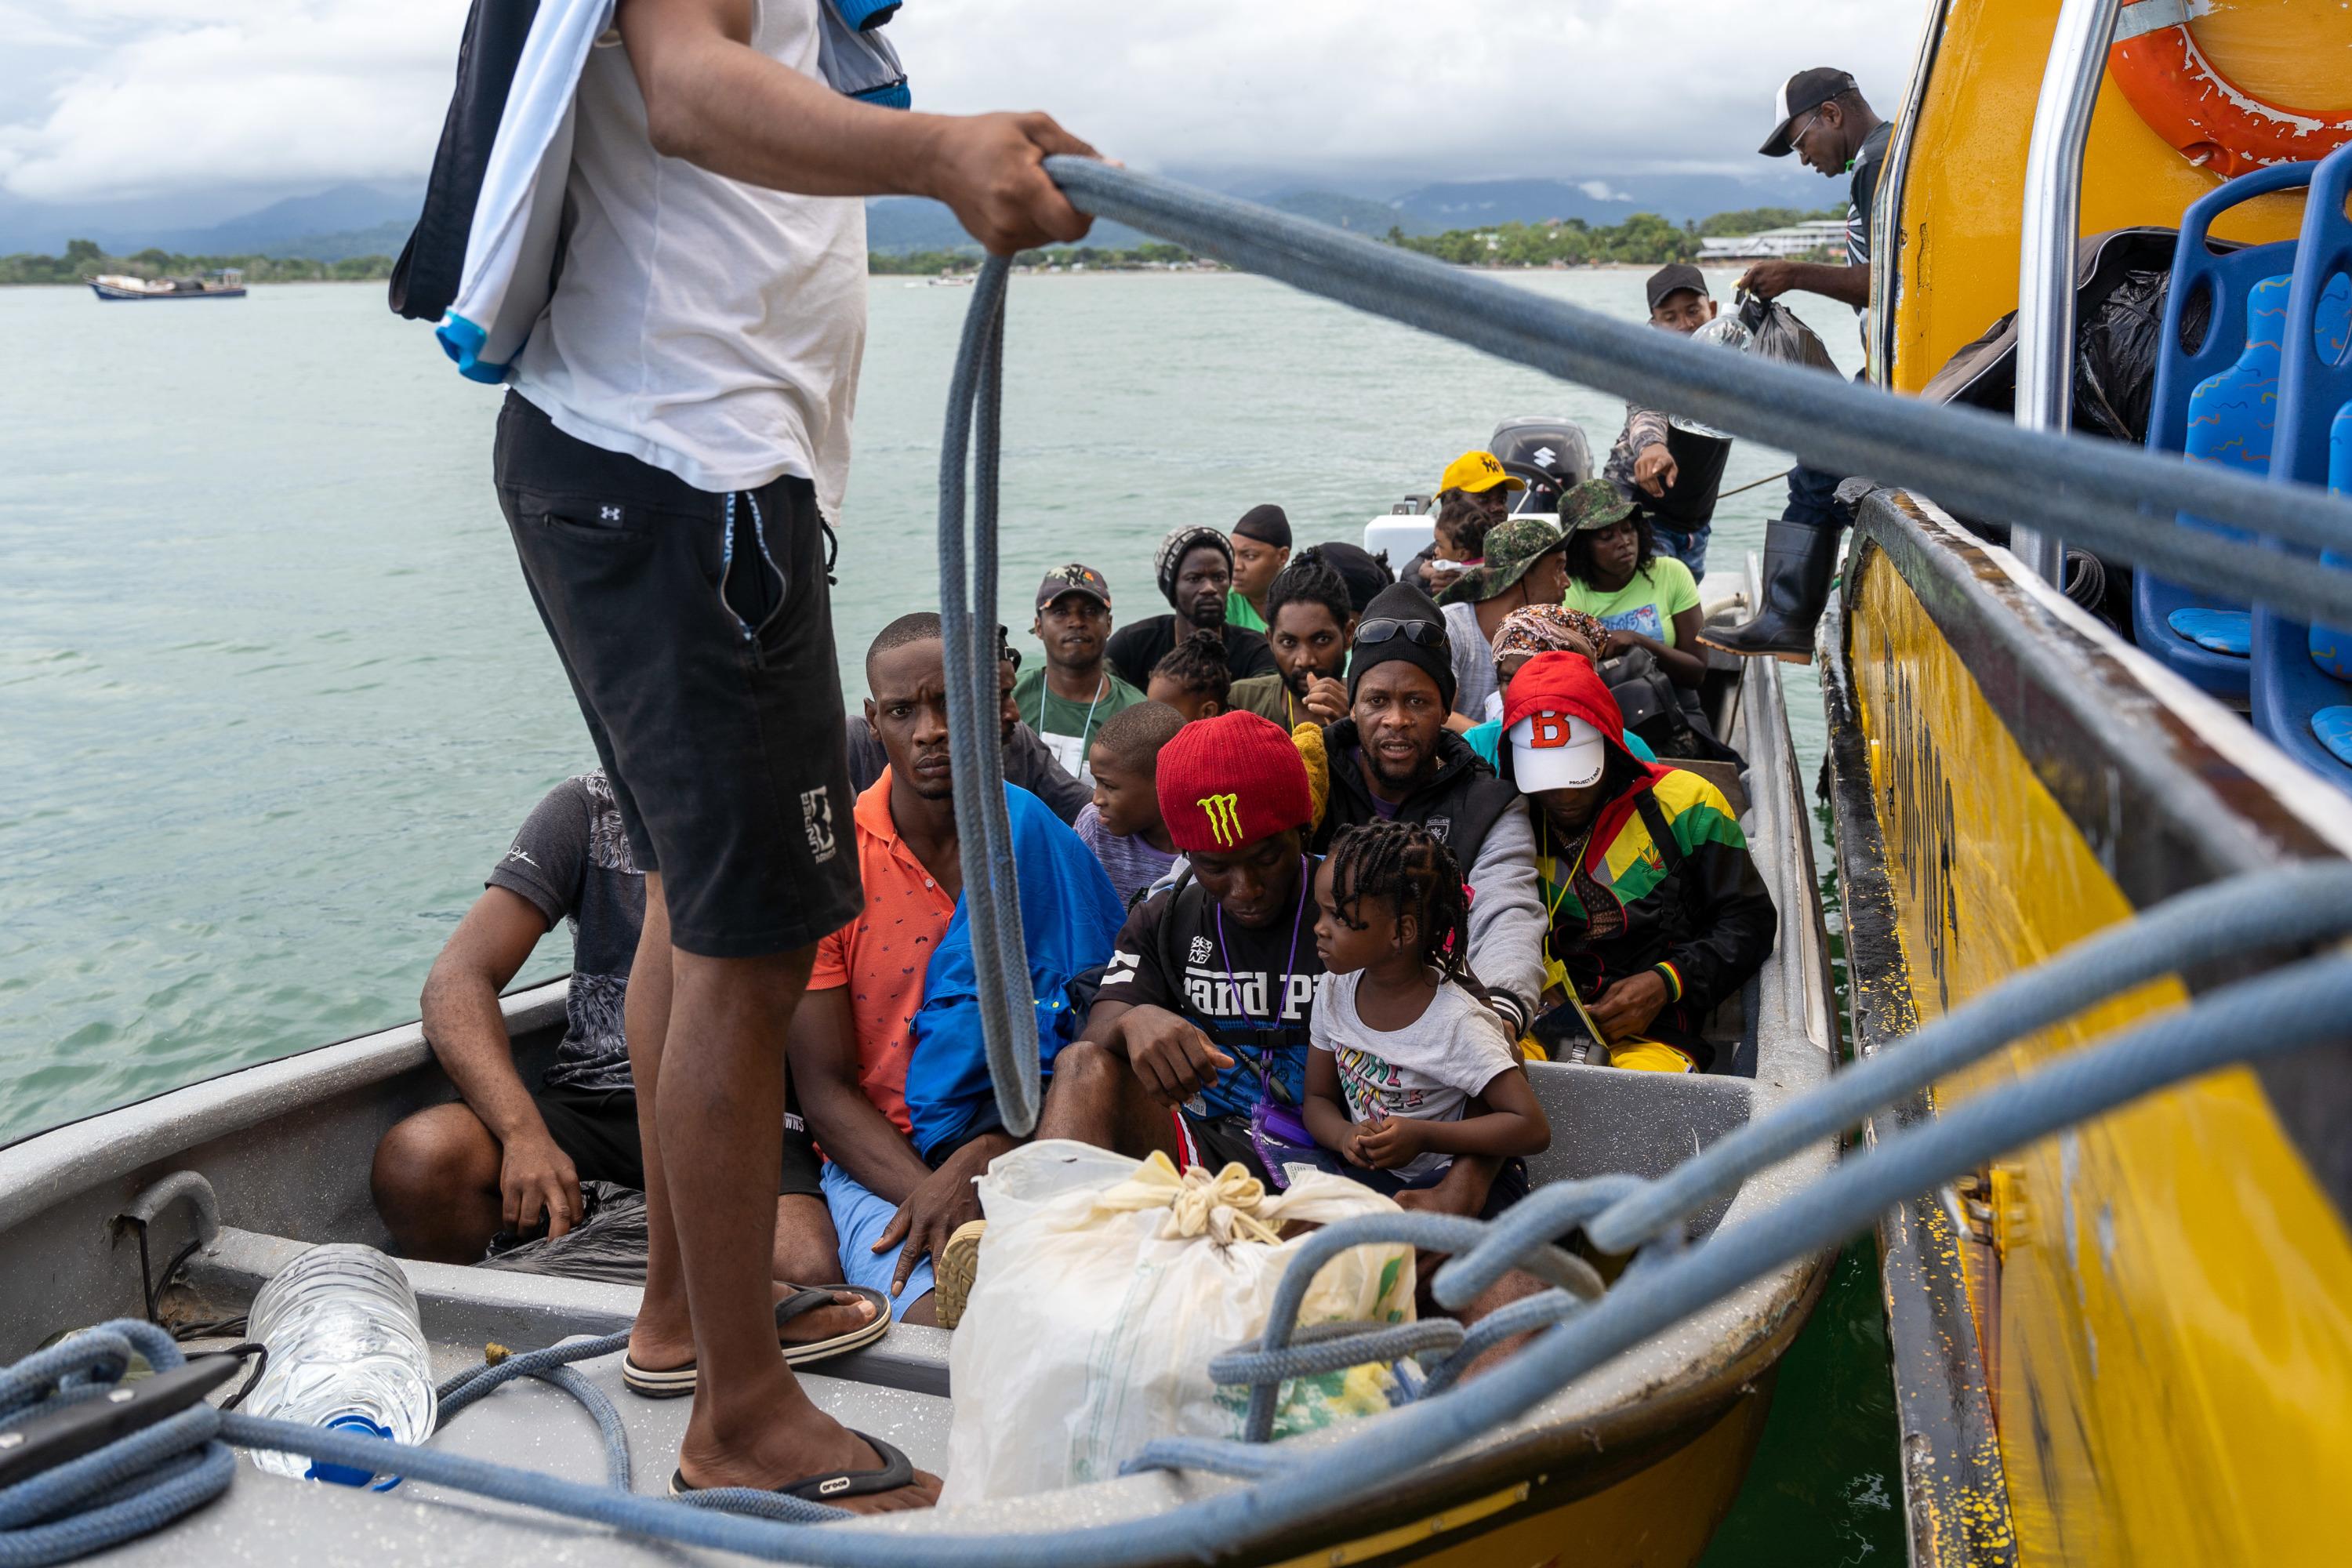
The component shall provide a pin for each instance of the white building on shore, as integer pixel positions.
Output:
(1799, 239)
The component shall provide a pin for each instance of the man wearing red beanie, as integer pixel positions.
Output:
(1203, 1010)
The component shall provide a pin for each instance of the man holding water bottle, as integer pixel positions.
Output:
(677, 433)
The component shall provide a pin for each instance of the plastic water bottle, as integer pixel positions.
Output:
(347, 1352)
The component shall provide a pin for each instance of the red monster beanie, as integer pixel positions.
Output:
(1229, 781)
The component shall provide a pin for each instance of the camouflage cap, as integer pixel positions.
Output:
(1595, 503)
(1513, 545)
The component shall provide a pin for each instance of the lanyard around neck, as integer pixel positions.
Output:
(1290, 964)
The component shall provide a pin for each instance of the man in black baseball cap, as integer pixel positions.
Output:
(1068, 698)
(1671, 474)
(1823, 119)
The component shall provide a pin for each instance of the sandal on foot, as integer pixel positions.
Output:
(954, 1270)
(677, 1381)
(896, 1472)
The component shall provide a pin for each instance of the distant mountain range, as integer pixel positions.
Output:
(359, 219)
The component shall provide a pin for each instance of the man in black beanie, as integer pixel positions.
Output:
(1261, 550)
(1392, 758)
(1195, 568)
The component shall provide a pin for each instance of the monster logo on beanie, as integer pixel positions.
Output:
(1229, 781)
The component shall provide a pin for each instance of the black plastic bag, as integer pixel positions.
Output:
(1774, 333)
(2122, 279)
(608, 1244)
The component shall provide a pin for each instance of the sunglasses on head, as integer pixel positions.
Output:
(1421, 634)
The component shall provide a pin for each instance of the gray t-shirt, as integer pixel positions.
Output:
(572, 861)
(1474, 665)
(1130, 862)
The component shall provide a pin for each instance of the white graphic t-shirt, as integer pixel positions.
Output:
(1426, 1070)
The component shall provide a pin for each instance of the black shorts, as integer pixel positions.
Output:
(597, 1130)
(698, 633)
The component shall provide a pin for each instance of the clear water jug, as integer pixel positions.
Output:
(347, 1352)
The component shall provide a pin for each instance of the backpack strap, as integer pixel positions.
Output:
(1662, 832)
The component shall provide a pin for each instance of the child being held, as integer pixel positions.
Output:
(1461, 531)
(1192, 677)
(1403, 1044)
(1122, 823)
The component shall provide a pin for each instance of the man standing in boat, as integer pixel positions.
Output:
(1824, 119)
(676, 431)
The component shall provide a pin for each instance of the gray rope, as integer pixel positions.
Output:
(1528, 1313)
(2261, 912)
(1312, 1356)
(2113, 497)
(968, 627)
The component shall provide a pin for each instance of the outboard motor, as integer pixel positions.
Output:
(1547, 451)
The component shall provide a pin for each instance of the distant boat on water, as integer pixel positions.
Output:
(228, 284)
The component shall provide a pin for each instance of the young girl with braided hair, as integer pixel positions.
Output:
(1192, 677)
(1409, 1067)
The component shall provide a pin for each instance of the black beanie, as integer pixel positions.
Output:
(1403, 602)
(1366, 574)
(1266, 524)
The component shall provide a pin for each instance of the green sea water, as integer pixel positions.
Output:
(273, 697)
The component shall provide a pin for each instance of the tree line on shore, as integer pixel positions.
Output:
(86, 258)
(1644, 237)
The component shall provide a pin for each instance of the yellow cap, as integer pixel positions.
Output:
(1477, 471)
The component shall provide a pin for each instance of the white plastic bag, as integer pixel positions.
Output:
(1099, 1308)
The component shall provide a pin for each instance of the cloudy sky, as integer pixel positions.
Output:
(114, 100)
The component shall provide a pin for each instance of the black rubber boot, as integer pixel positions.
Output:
(1800, 559)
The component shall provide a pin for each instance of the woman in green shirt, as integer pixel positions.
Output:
(1616, 575)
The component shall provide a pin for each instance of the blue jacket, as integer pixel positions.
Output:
(1069, 919)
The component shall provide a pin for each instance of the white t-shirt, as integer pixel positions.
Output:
(1426, 1070)
(707, 327)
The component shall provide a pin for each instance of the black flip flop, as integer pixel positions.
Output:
(896, 1472)
(677, 1381)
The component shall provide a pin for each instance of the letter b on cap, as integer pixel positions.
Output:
(1546, 731)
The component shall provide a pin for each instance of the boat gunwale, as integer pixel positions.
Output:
(2167, 753)
(1955, 1484)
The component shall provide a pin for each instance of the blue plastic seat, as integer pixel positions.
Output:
(2301, 694)
(2183, 373)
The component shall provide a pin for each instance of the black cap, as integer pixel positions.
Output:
(1403, 602)
(1799, 96)
(1267, 524)
(1673, 276)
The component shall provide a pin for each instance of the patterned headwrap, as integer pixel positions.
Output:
(1182, 542)
(1549, 629)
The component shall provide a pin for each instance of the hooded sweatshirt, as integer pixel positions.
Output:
(1664, 880)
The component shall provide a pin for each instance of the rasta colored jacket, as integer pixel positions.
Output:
(1664, 882)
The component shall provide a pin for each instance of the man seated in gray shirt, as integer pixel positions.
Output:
(504, 1157)
(1027, 763)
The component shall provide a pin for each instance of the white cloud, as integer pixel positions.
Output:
(1602, 191)
(337, 89)
(137, 97)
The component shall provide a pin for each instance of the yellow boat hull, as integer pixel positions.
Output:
(2147, 1357)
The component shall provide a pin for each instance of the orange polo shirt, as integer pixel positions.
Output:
(885, 953)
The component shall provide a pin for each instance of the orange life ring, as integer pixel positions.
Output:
(2214, 122)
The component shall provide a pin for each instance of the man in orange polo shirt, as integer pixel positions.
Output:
(852, 1036)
